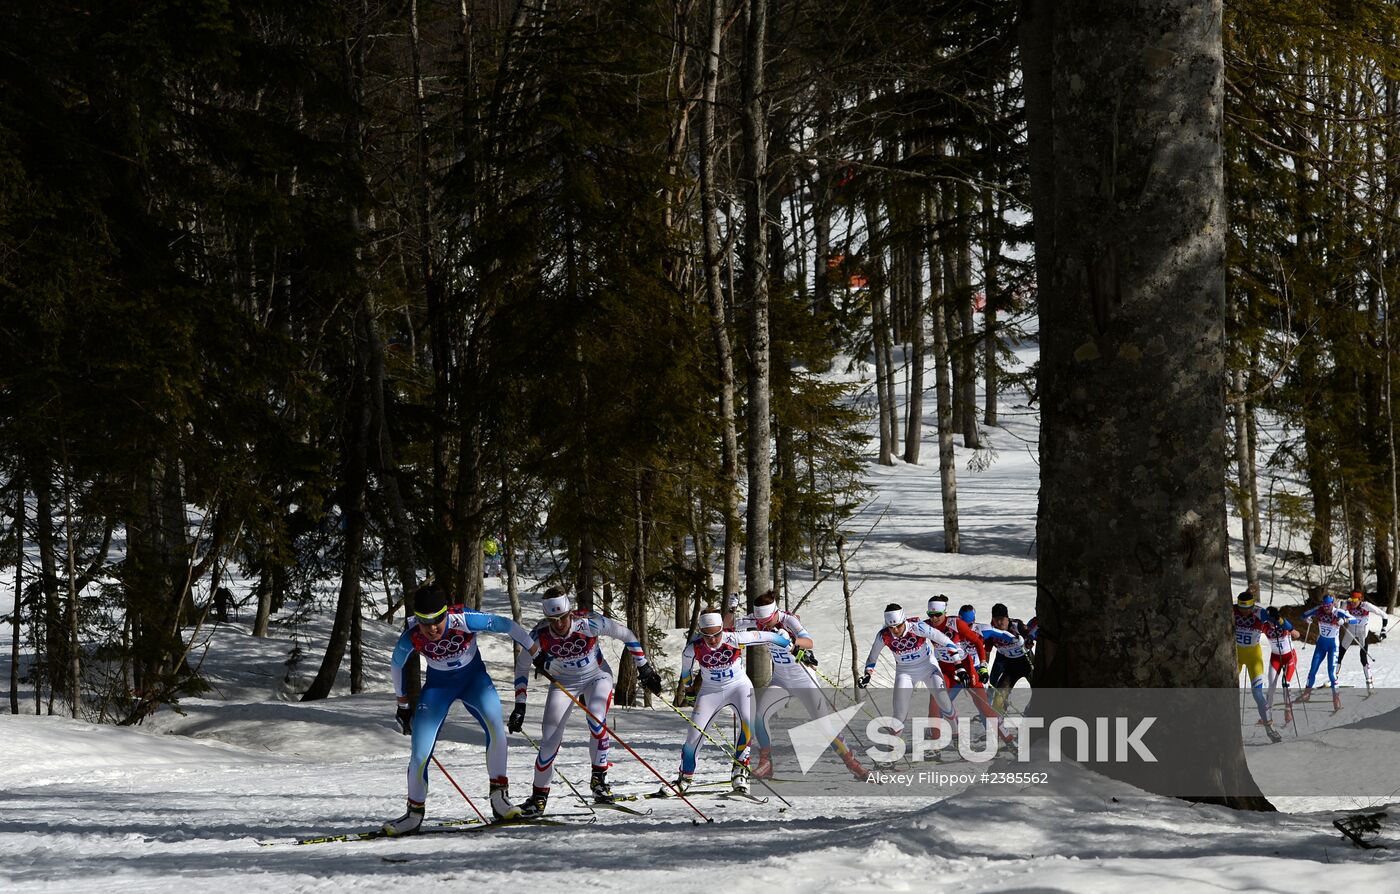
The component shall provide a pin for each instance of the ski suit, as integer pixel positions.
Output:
(913, 665)
(1250, 624)
(720, 670)
(455, 673)
(790, 677)
(1329, 620)
(1356, 630)
(1283, 659)
(577, 663)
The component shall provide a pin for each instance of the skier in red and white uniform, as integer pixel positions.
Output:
(1283, 659)
(568, 650)
(911, 643)
(712, 666)
(790, 677)
(963, 662)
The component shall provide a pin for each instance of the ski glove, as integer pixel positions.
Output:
(541, 661)
(517, 718)
(806, 656)
(961, 676)
(982, 673)
(404, 716)
(864, 680)
(651, 680)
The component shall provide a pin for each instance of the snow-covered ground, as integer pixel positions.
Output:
(213, 794)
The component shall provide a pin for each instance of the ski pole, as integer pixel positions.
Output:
(723, 747)
(560, 774)
(457, 787)
(664, 781)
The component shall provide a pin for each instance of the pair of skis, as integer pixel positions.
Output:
(459, 827)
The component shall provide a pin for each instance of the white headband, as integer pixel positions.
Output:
(555, 606)
(894, 616)
(766, 610)
(711, 619)
(936, 605)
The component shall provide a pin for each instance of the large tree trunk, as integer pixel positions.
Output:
(1133, 589)
(914, 399)
(714, 293)
(757, 574)
(943, 392)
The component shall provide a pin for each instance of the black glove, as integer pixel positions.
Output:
(404, 716)
(864, 680)
(961, 676)
(517, 718)
(806, 656)
(542, 661)
(651, 680)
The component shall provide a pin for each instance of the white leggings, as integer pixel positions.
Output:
(737, 695)
(905, 679)
(597, 695)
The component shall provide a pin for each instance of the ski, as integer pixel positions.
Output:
(740, 796)
(622, 808)
(583, 819)
(441, 828)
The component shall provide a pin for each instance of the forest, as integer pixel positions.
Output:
(337, 291)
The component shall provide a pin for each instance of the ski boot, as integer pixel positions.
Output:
(680, 786)
(764, 770)
(533, 806)
(406, 824)
(1287, 716)
(501, 808)
(739, 778)
(849, 758)
(602, 792)
(1273, 733)
(1306, 696)
(1336, 702)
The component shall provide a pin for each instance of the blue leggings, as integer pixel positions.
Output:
(1325, 646)
(472, 685)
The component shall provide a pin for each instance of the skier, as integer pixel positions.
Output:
(1250, 625)
(720, 681)
(1329, 620)
(910, 642)
(1357, 629)
(1283, 659)
(568, 649)
(446, 636)
(1012, 640)
(790, 676)
(957, 663)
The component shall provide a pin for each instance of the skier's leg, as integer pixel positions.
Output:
(479, 695)
(557, 708)
(707, 705)
(598, 696)
(434, 699)
(770, 701)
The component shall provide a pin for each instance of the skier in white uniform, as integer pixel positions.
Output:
(1356, 630)
(910, 642)
(714, 660)
(790, 677)
(568, 650)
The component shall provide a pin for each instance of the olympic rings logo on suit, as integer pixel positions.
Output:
(571, 647)
(906, 643)
(452, 644)
(722, 657)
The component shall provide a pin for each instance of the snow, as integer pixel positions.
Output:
(190, 797)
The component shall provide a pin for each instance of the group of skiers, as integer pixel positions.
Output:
(1336, 626)
(946, 653)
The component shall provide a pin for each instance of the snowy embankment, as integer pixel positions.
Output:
(191, 798)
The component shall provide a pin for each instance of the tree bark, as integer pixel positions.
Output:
(714, 293)
(1132, 577)
(943, 392)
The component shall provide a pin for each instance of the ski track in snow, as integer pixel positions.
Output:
(184, 800)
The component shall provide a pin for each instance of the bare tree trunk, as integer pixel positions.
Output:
(19, 595)
(757, 574)
(947, 467)
(1244, 469)
(914, 416)
(967, 331)
(714, 292)
(75, 667)
(1132, 377)
(846, 598)
(991, 292)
